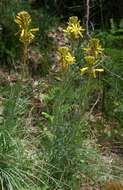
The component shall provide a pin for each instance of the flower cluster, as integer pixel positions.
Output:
(74, 29)
(92, 57)
(94, 48)
(23, 19)
(66, 58)
(92, 53)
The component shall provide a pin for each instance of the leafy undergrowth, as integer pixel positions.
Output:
(113, 92)
(48, 137)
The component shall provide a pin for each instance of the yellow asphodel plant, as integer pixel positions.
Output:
(92, 58)
(94, 48)
(66, 58)
(91, 68)
(74, 30)
(26, 36)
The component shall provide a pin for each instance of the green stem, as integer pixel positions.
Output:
(85, 97)
(25, 71)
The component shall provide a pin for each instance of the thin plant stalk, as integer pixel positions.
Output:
(25, 71)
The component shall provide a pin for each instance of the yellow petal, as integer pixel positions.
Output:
(83, 70)
(22, 33)
(34, 29)
(99, 70)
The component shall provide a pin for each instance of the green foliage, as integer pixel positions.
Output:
(114, 103)
(15, 161)
(110, 40)
(69, 147)
(112, 86)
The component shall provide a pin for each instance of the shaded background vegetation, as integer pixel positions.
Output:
(100, 13)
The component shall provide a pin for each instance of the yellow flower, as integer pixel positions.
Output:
(23, 19)
(66, 58)
(73, 20)
(83, 70)
(63, 50)
(90, 60)
(96, 70)
(74, 29)
(91, 66)
(94, 48)
(69, 58)
(91, 71)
